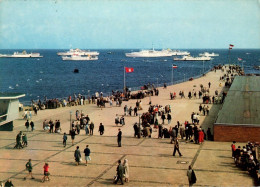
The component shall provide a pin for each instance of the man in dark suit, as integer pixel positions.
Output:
(176, 147)
(120, 173)
(119, 137)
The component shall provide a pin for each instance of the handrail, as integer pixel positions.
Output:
(3, 115)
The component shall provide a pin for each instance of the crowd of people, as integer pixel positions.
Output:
(52, 127)
(247, 158)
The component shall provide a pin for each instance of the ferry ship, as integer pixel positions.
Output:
(208, 54)
(24, 54)
(79, 57)
(149, 53)
(155, 53)
(190, 58)
(78, 52)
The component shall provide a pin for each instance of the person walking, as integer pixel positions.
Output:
(101, 129)
(32, 125)
(201, 136)
(9, 183)
(65, 139)
(72, 134)
(87, 154)
(176, 147)
(135, 111)
(29, 168)
(120, 173)
(169, 117)
(163, 117)
(77, 156)
(24, 140)
(126, 167)
(91, 127)
(27, 125)
(191, 176)
(86, 129)
(46, 172)
(119, 137)
(19, 140)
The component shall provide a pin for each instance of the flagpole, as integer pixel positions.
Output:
(229, 55)
(172, 74)
(124, 80)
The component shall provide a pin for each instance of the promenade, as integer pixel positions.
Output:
(150, 159)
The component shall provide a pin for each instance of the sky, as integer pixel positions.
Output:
(130, 24)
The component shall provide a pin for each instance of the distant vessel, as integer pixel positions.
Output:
(257, 67)
(208, 54)
(78, 52)
(24, 54)
(190, 58)
(79, 57)
(149, 53)
(157, 53)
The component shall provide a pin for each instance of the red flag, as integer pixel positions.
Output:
(129, 70)
(230, 45)
(239, 59)
(230, 48)
(174, 66)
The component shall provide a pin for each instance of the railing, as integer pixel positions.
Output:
(29, 103)
(3, 118)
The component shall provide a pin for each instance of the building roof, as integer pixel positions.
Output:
(11, 95)
(242, 103)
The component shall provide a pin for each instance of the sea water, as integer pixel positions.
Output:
(52, 77)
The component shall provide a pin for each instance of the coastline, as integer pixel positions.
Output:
(181, 108)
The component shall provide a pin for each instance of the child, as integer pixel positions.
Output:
(65, 139)
(24, 137)
(46, 173)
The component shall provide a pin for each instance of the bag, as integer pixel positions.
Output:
(115, 177)
(80, 159)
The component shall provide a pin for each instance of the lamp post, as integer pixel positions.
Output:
(70, 120)
(139, 128)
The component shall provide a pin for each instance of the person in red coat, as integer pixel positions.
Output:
(201, 136)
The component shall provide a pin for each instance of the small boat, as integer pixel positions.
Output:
(76, 71)
(79, 57)
(190, 58)
(24, 54)
(208, 54)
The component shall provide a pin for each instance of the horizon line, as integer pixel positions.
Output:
(114, 48)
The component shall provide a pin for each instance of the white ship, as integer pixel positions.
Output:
(24, 54)
(78, 52)
(190, 58)
(79, 57)
(149, 53)
(208, 54)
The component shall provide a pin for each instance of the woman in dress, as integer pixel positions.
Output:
(126, 167)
